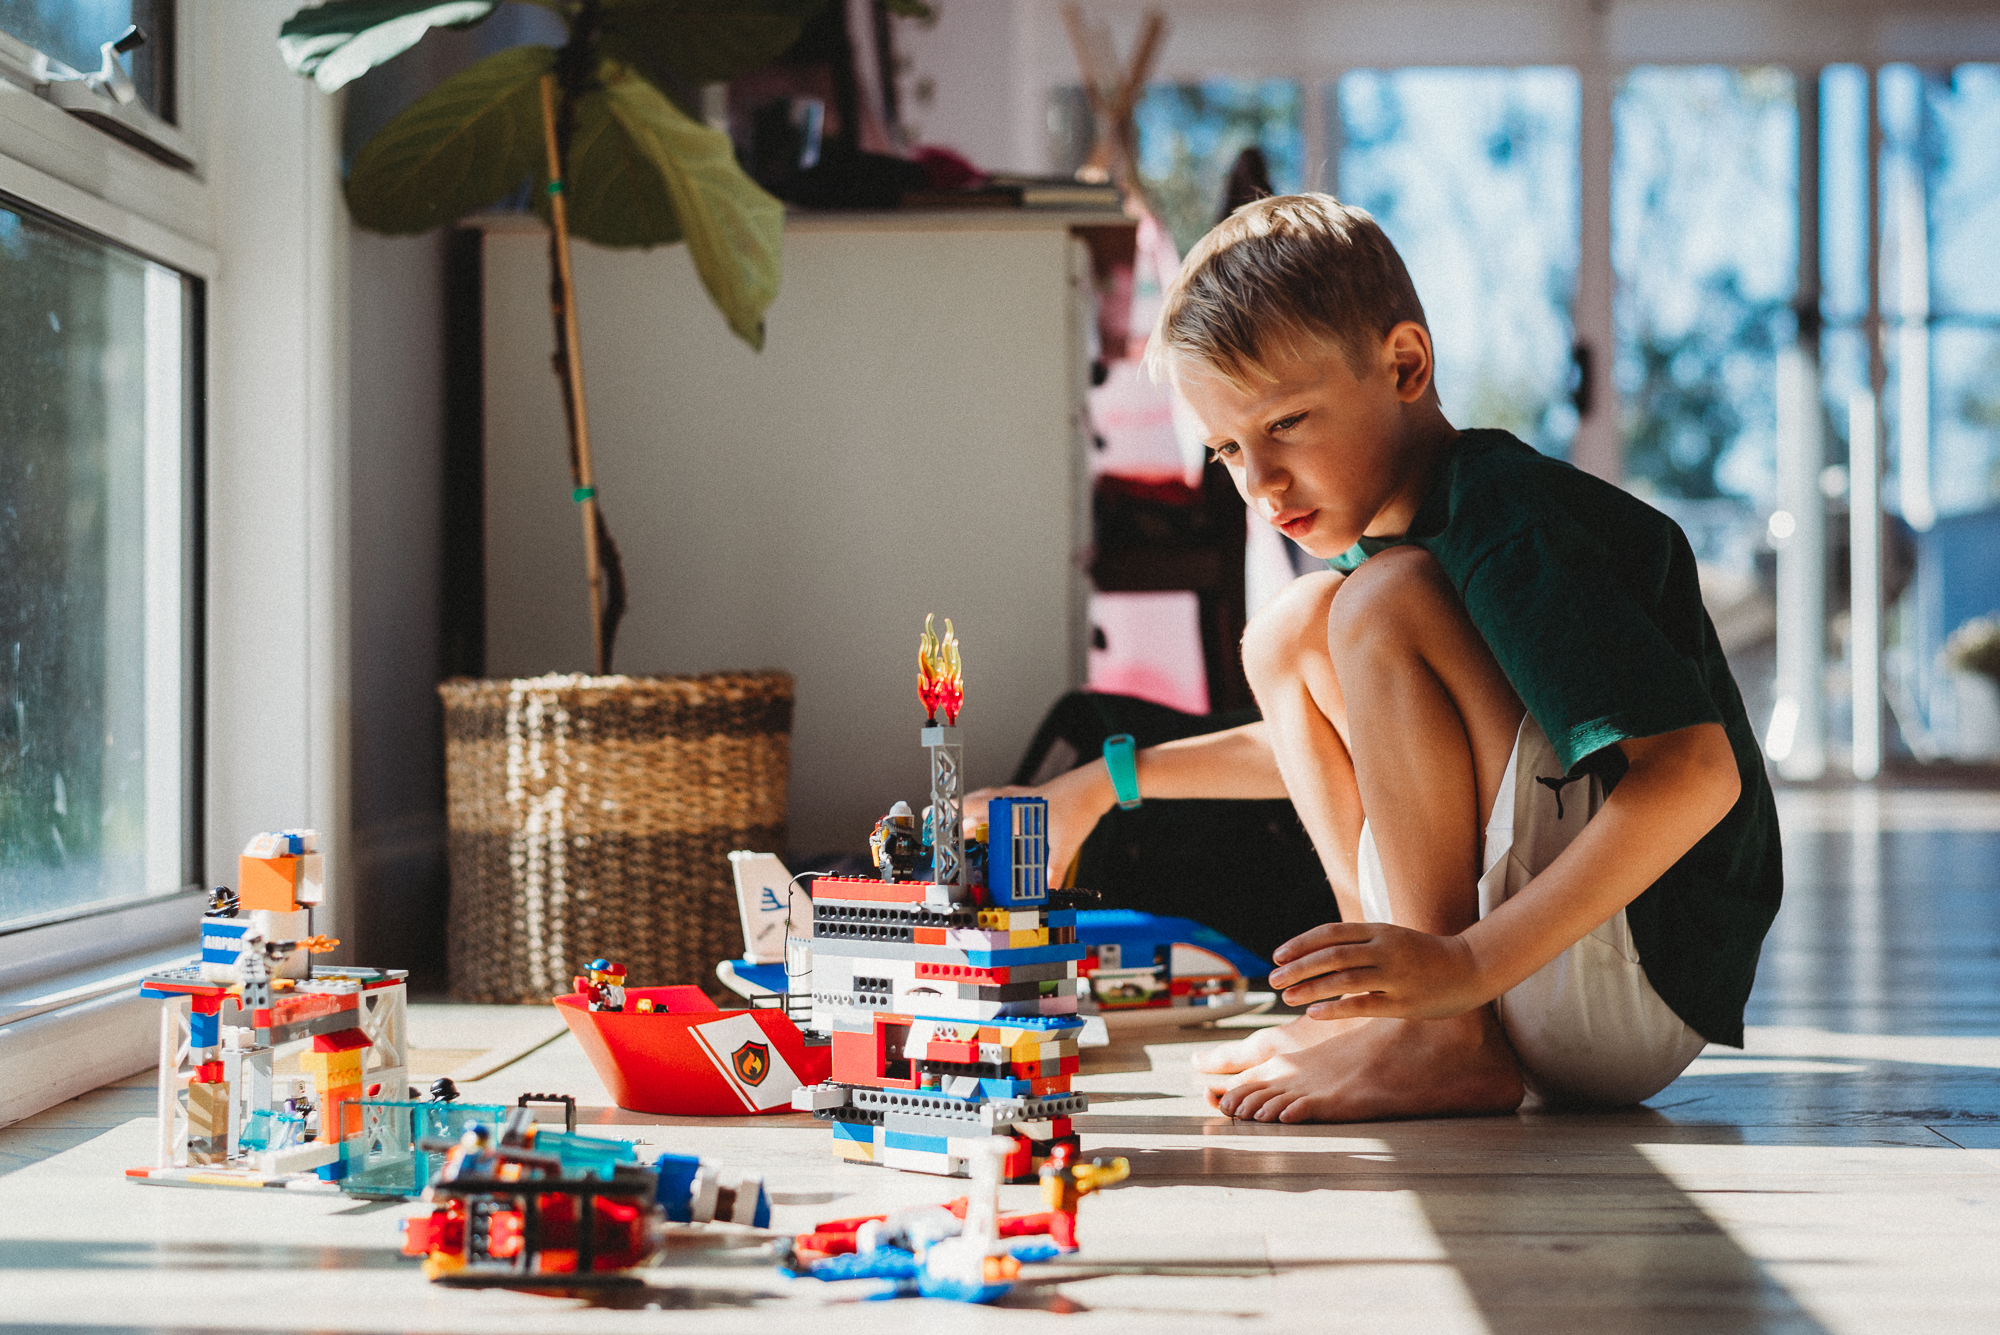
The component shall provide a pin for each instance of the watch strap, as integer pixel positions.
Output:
(1121, 762)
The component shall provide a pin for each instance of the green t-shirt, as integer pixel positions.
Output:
(1588, 598)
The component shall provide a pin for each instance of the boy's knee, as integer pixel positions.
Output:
(1387, 598)
(1290, 627)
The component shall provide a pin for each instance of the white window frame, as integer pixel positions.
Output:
(70, 1016)
(259, 221)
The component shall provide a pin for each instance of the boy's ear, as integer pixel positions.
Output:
(1408, 348)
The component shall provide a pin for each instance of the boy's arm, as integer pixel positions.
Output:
(1234, 763)
(1678, 786)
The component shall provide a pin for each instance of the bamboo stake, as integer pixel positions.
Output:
(586, 488)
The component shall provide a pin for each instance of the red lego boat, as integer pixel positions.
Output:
(688, 1057)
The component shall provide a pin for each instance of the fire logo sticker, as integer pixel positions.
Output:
(752, 1062)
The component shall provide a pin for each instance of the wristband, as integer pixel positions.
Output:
(1120, 761)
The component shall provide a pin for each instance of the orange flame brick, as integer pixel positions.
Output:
(940, 675)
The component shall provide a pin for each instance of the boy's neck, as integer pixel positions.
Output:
(1428, 440)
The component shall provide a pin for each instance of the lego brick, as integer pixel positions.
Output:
(857, 1151)
(204, 1031)
(860, 1131)
(885, 892)
(920, 1161)
(312, 879)
(1017, 851)
(978, 939)
(1002, 976)
(856, 1057)
(982, 959)
(818, 1098)
(343, 1040)
(903, 1140)
(267, 883)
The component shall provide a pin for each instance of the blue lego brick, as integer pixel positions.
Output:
(1059, 918)
(990, 959)
(222, 939)
(332, 1172)
(855, 1131)
(1140, 934)
(903, 1140)
(204, 1031)
(675, 1192)
(1017, 851)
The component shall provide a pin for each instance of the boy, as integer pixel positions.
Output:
(1501, 714)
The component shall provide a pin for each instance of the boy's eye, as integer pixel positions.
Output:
(1223, 453)
(1287, 423)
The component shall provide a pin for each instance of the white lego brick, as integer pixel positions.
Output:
(312, 879)
(819, 1098)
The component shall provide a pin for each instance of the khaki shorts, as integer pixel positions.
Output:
(1587, 1027)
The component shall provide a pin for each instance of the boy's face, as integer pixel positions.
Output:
(1320, 453)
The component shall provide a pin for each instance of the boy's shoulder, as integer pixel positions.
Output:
(1494, 488)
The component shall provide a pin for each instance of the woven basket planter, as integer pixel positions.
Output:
(594, 816)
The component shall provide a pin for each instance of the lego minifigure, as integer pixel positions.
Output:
(443, 1090)
(895, 845)
(1065, 1182)
(604, 986)
(222, 902)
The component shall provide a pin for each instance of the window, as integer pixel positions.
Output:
(1473, 174)
(96, 426)
(70, 33)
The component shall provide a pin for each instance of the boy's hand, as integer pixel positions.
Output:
(1076, 801)
(1376, 968)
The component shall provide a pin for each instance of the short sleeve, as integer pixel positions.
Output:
(1598, 653)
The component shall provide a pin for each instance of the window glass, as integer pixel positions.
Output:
(1704, 198)
(1473, 174)
(1191, 133)
(1940, 211)
(72, 31)
(94, 455)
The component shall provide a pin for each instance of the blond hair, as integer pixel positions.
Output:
(1282, 276)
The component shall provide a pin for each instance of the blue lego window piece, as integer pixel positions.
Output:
(1017, 851)
(257, 1130)
(675, 1192)
(1139, 935)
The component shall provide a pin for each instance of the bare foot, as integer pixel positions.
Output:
(1266, 1043)
(1382, 1069)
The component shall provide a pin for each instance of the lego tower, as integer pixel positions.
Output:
(951, 1001)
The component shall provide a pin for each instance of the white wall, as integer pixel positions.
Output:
(906, 443)
(277, 463)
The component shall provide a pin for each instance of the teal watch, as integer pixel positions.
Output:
(1121, 761)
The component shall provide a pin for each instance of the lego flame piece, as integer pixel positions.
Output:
(940, 675)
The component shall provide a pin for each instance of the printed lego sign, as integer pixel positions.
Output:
(761, 882)
(754, 1069)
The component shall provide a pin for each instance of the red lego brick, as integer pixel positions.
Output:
(345, 1040)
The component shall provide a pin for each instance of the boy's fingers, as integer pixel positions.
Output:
(1320, 937)
(1336, 983)
(1321, 962)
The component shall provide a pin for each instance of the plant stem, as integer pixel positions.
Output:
(570, 368)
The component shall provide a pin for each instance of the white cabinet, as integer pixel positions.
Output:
(910, 440)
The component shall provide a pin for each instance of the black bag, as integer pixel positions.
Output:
(1245, 868)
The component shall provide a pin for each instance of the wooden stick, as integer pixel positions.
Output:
(586, 488)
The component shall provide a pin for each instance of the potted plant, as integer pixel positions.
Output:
(588, 815)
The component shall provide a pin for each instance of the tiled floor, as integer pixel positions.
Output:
(1841, 1175)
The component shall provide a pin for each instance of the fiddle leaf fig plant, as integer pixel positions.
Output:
(603, 152)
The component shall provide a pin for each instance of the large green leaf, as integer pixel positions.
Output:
(460, 147)
(641, 173)
(342, 40)
(704, 41)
